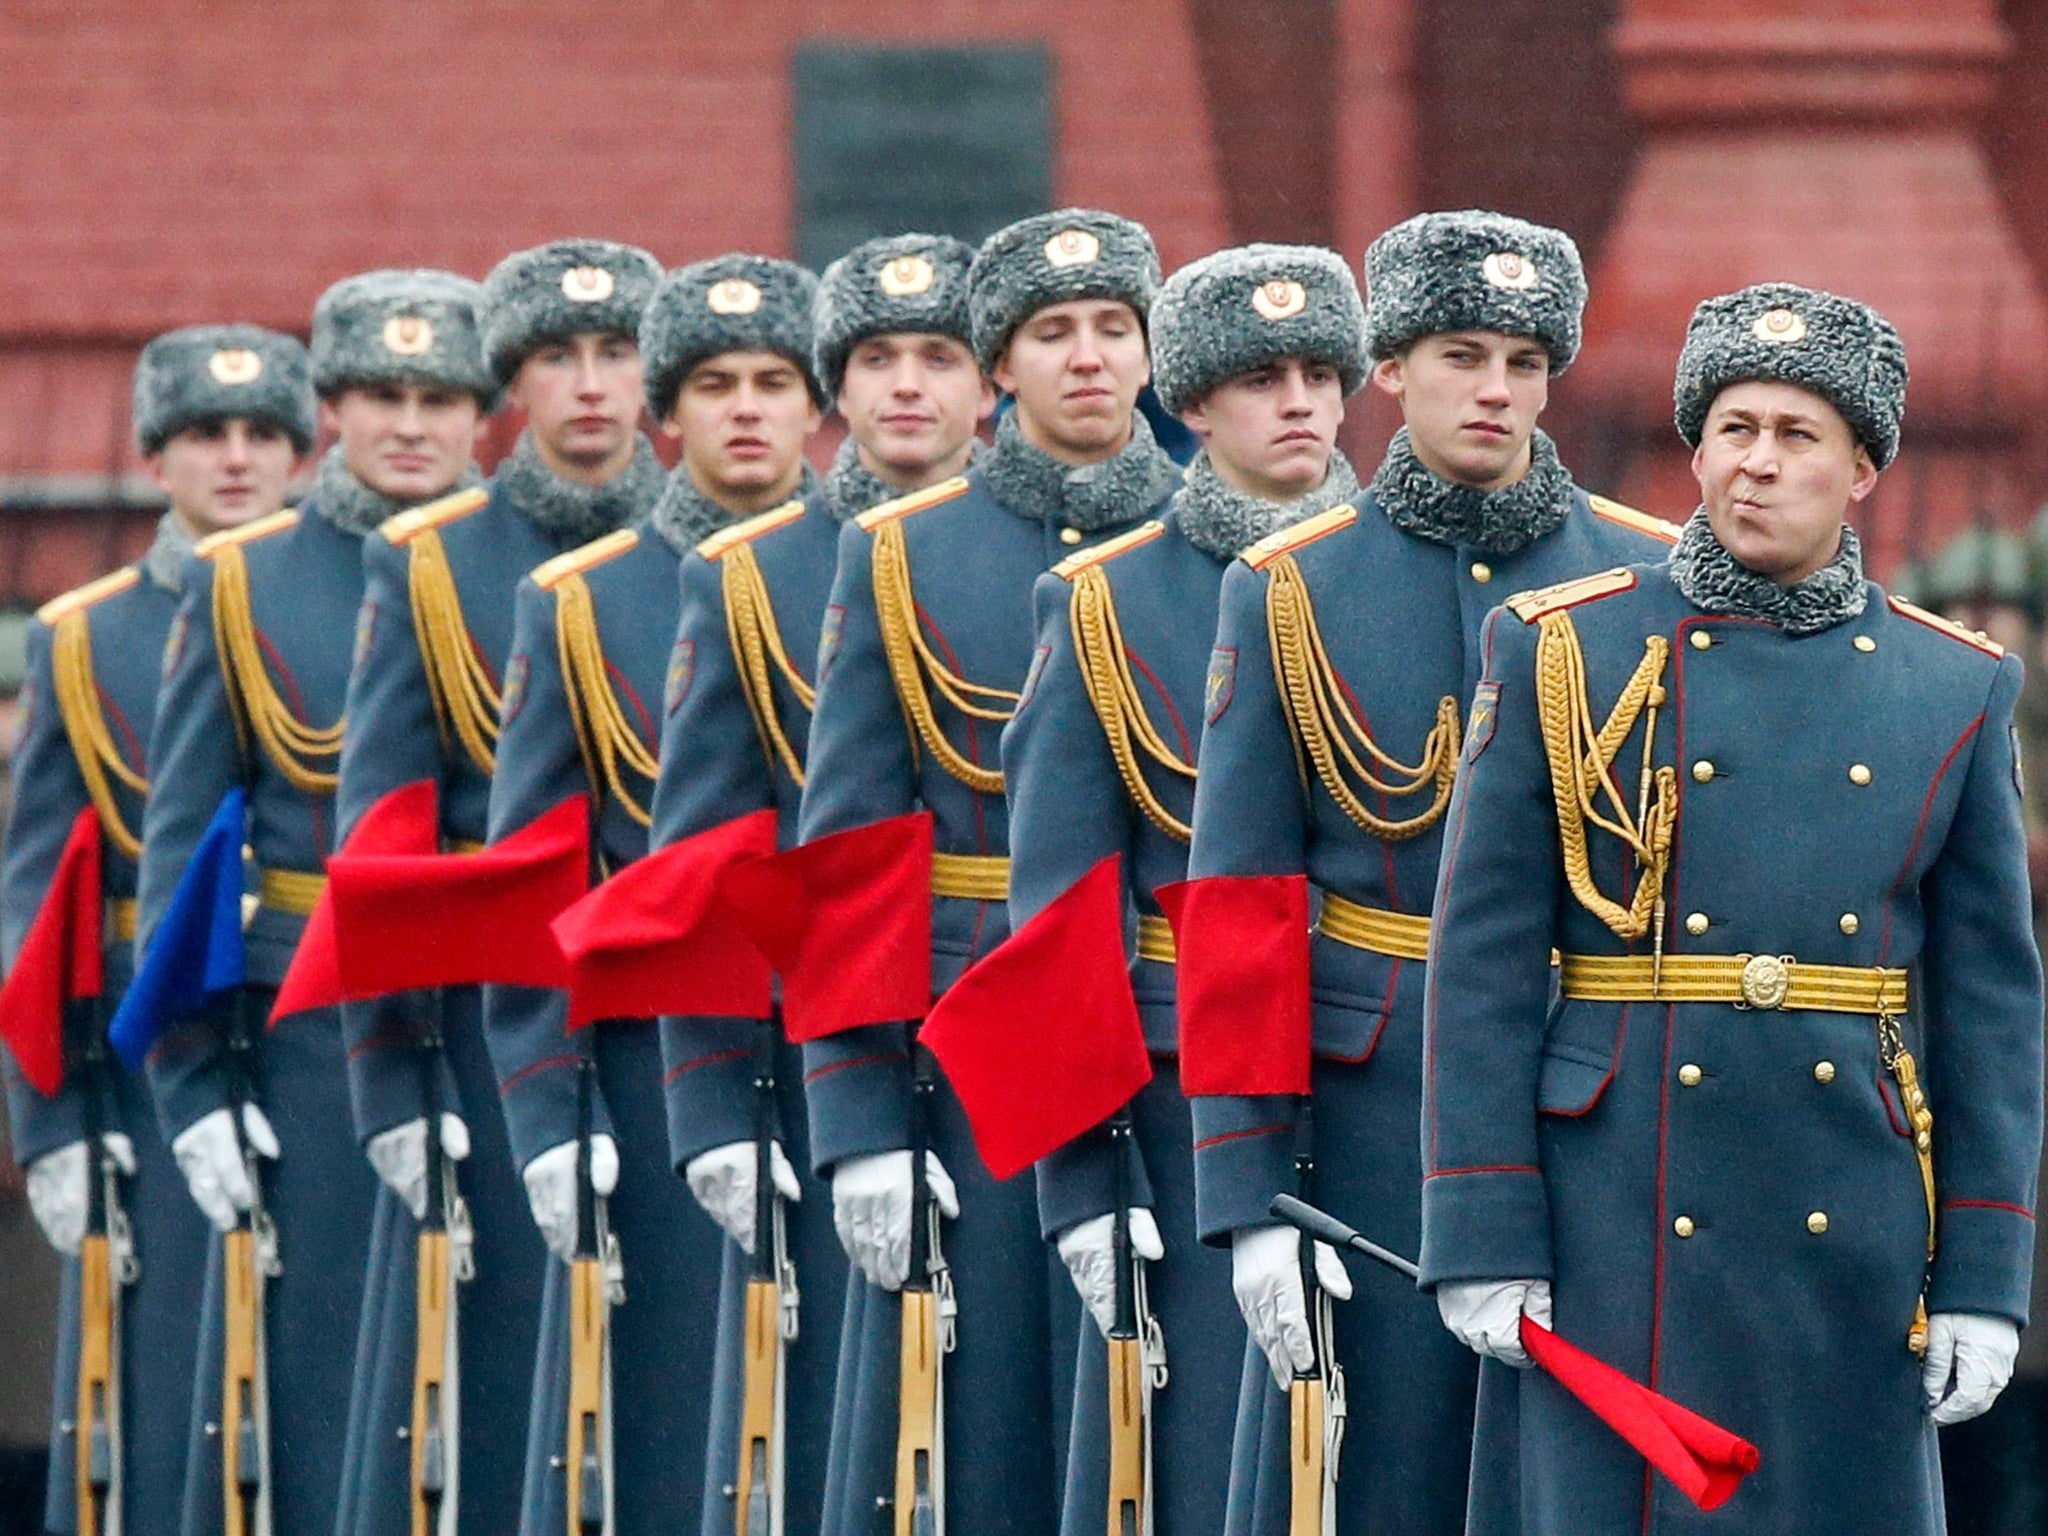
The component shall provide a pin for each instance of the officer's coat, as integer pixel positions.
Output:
(304, 581)
(1729, 1201)
(126, 617)
(1400, 618)
(715, 768)
(972, 563)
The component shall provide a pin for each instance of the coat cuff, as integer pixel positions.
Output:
(1983, 1260)
(1485, 1224)
(857, 1084)
(708, 1083)
(1077, 1182)
(384, 1075)
(540, 1105)
(1244, 1156)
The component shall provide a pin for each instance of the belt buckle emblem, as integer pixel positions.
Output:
(1765, 981)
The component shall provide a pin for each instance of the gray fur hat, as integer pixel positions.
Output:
(1250, 305)
(897, 283)
(1049, 258)
(215, 372)
(416, 326)
(735, 303)
(559, 290)
(1844, 351)
(1474, 271)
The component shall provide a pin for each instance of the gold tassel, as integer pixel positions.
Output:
(603, 733)
(758, 652)
(289, 742)
(464, 697)
(1113, 690)
(85, 723)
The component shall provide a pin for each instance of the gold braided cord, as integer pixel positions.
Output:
(603, 733)
(464, 696)
(758, 652)
(912, 660)
(1113, 690)
(291, 745)
(1582, 771)
(1325, 726)
(85, 723)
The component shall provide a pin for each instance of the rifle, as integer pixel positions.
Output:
(106, 1262)
(445, 1258)
(928, 1323)
(770, 1322)
(596, 1285)
(249, 1258)
(1315, 1398)
(1137, 1357)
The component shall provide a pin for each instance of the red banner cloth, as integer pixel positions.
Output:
(59, 960)
(1040, 1038)
(847, 921)
(656, 938)
(1705, 1461)
(1242, 982)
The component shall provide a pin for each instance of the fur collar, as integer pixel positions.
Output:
(1420, 502)
(1222, 521)
(1090, 497)
(1712, 579)
(164, 564)
(354, 507)
(577, 513)
(685, 517)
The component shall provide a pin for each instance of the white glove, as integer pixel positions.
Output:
(1087, 1248)
(1265, 1272)
(1486, 1315)
(551, 1188)
(871, 1210)
(723, 1182)
(1969, 1361)
(211, 1161)
(400, 1157)
(57, 1189)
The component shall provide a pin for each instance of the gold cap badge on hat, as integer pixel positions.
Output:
(905, 276)
(1072, 248)
(733, 296)
(408, 335)
(1779, 326)
(587, 285)
(1509, 269)
(234, 365)
(1281, 299)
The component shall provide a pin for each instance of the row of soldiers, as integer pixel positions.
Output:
(1248, 846)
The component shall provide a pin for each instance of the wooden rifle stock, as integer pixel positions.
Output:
(434, 1301)
(1127, 1366)
(763, 1347)
(920, 1388)
(585, 1454)
(1305, 1422)
(97, 1432)
(241, 1443)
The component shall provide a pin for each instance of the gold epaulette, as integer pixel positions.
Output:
(248, 533)
(78, 599)
(1074, 564)
(584, 557)
(1307, 531)
(1531, 606)
(916, 501)
(1970, 637)
(750, 530)
(402, 528)
(1629, 517)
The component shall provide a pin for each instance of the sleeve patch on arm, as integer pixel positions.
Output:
(1485, 713)
(515, 688)
(1222, 683)
(828, 638)
(682, 671)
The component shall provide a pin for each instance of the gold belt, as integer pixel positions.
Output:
(971, 876)
(1747, 981)
(290, 890)
(121, 919)
(1400, 934)
(1155, 940)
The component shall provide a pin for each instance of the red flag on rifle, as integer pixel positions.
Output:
(59, 961)
(1242, 981)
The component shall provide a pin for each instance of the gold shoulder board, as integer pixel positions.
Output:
(1949, 627)
(1531, 606)
(1307, 531)
(916, 501)
(552, 573)
(78, 599)
(248, 533)
(1629, 517)
(403, 528)
(750, 530)
(1074, 564)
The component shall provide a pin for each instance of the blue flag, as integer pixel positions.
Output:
(196, 952)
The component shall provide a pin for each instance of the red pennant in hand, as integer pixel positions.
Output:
(655, 938)
(847, 921)
(1242, 982)
(59, 960)
(1041, 1038)
(1705, 1461)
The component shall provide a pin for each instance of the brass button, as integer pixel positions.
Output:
(1696, 923)
(1071, 535)
(1481, 572)
(1823, 1071)
(1684, 1226)
(1690, 1075)
(1865, 644)
(1817, 1223)
(1702, 770)
(1859, 773)
(1850, 922)
(1702, 641)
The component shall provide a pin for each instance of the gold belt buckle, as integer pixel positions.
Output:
(1765, 981)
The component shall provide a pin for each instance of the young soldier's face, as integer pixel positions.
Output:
(1779, 469)
(1270, 432)
(582, 398)
(912, 402)
(742, 418)
(1076, 368)
(1470, 399)
(220, 474)
(409, 441)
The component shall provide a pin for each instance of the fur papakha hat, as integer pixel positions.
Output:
(1049, 258)
(216, 372)
(735, 303)
(1474, 271)
(1251, 305)
(562, 289)
(894, 284)
(402, 326)
(1842, 350)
